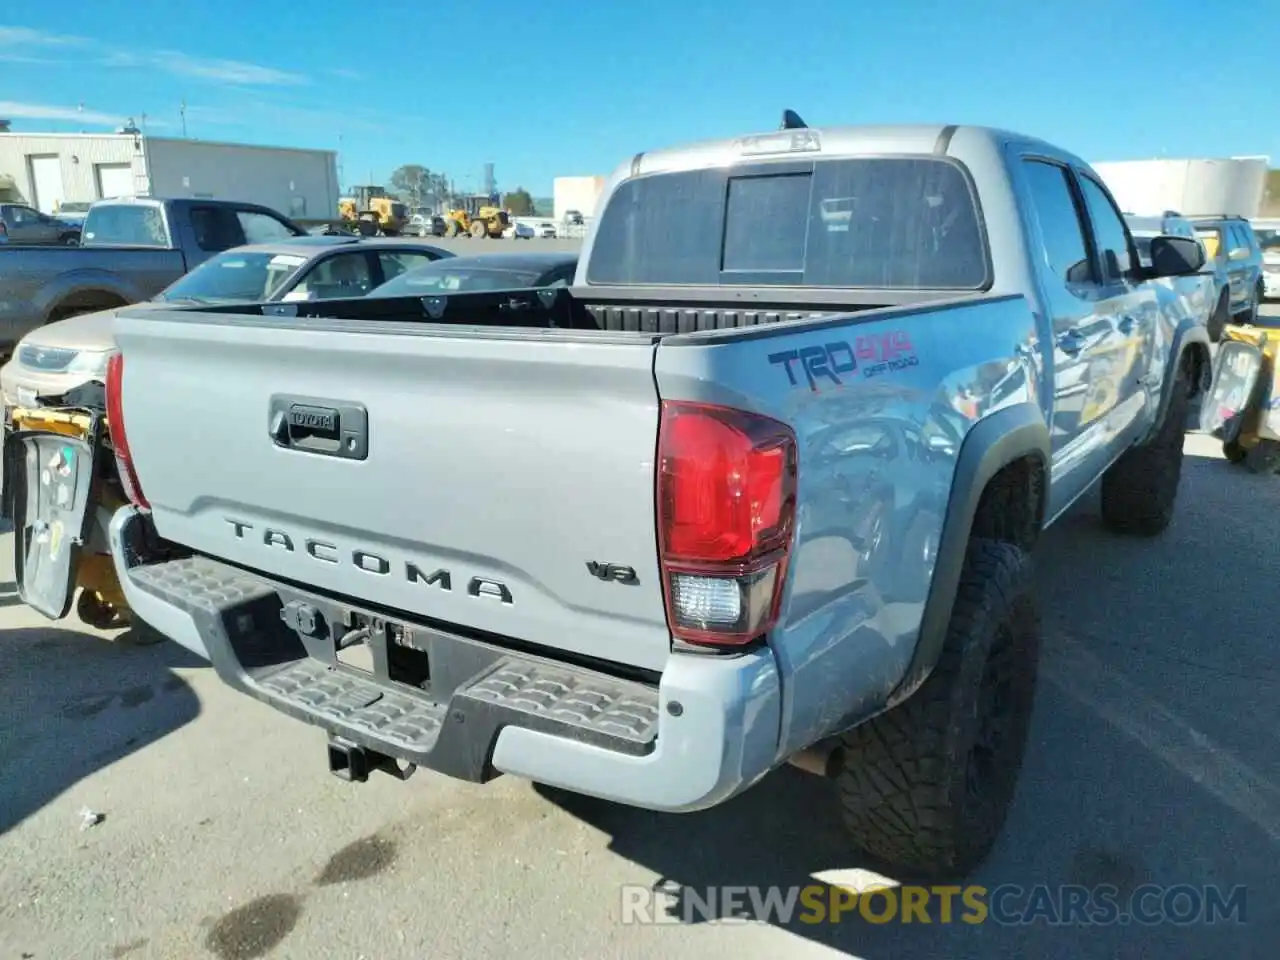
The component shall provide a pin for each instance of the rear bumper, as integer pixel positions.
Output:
(708, 730)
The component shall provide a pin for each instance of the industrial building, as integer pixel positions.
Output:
(576, 193)
(1233, 185)
(47, 169)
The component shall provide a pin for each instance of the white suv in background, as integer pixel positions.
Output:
(1268, 233)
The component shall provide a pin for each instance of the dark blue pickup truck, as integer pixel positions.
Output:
(129, 251)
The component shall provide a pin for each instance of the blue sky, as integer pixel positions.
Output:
(559, 88)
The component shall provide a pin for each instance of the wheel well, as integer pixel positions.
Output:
(1012, 504)
(85, 302)
(1197, 366)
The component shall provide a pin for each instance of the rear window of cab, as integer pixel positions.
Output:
(875, 223)
(125, 225)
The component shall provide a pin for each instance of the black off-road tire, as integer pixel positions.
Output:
(1232, 450)
(1140, 489)
(926, 786)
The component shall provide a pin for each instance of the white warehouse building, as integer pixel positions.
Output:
(1233, 185)
(576, 193)
(48, 169)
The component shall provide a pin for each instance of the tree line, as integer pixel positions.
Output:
(418, 186)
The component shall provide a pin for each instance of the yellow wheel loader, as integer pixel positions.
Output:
(370, 212)
(476, 217)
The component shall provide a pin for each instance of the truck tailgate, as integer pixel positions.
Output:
(498, 471)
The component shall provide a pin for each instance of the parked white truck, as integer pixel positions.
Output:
(762, 488)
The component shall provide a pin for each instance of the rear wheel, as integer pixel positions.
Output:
(63, 313)
(926, 786)
(1140, 489)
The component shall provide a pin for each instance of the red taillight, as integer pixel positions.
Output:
(726, 507)
(119, 440)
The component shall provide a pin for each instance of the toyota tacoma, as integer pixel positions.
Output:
(763, 487)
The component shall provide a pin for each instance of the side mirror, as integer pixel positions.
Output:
(1080, 272)
(1175, 257)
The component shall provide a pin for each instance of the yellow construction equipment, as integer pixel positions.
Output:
(478, 217)
(1242, 408)
(371, 212)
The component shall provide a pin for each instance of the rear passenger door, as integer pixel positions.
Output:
(214, 229)
(1056, 226)
(262, 227)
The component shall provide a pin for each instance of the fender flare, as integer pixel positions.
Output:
(72, 282)
(1189, 336)
(990, 445)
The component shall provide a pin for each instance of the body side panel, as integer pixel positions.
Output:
(881, 405)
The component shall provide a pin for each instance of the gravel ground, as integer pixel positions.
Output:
(1154, 758)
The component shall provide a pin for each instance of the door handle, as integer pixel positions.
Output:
(318, 426)
(1071, 342)
(1126, 325)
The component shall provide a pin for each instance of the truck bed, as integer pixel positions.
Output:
(590, 309)
(486, 462)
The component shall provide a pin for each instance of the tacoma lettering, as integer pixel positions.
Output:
(414, 572)
(367, 562)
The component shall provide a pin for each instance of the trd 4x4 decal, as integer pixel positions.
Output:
(877, 353)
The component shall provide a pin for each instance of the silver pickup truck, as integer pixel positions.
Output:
(762, 486)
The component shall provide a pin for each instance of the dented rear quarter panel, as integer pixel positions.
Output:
(880, 404)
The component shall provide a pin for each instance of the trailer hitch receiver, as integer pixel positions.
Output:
(352, 762)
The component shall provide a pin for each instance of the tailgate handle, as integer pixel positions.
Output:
(329, 428)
